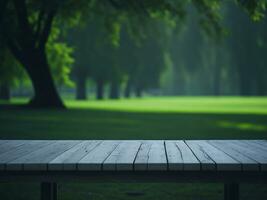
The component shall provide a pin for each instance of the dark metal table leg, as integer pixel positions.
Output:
(231, 191)
(48, 191)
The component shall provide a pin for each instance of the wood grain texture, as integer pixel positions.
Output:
(248, 164)
(22, 150)
(205, 160)
(39, 159)
(94, 160)
(122, 158)
(223, 161)
(157, 157)
(10, 145)
(69, 159)
(141, 161)
(252, 153)
(261, 142)
(151, 156)
(133, 155)
(254, 144)
(180, 156)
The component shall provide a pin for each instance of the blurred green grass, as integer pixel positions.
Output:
(236, 105)
(147, 118)
(204, 104)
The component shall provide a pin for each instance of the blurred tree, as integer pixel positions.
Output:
(128, 59)
(150, 65)
(4, 78)
(203, 65)
(9, 73)
(102, 67)
(26, 26)
(142, 54)
(262, 59)
(186, 51)
(59, 55)
(83, 56)
(95, 53)
(247, 45)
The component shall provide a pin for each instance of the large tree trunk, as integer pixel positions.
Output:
(45, 93)
(28, 46)
(99, 89)
(81, 87)
(114, 92)
(4, 91)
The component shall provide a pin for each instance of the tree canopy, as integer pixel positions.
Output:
(27, 25)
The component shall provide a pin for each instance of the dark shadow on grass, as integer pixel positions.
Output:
(9, 106)
(19, 122)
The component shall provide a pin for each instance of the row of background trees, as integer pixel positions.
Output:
(206, 49)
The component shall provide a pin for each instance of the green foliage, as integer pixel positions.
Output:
(60, 58)
(209, 14)
(27, 25)
(247, 44)
(255, 8)
(106, 53)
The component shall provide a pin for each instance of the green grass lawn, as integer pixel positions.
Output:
(147, 118)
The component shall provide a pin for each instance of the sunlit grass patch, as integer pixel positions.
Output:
(243, 126)
(145, 118)
(238, 105)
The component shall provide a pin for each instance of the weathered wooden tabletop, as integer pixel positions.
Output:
(133, 155)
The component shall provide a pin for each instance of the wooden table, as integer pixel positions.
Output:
(48, 161)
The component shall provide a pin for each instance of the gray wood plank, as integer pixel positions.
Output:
(205, 160)
(254, 144)
(174, 156)
(137, 155)
(248, 164)
(157, 157)
(38, 159)
(122, 158)
(251, 146)
(94, 160)
(11, 145)
(151, 156)
(254, 154)
(3, 142)
(261, 142)
(222, 160)
(22, 150)
(141, 161)
(69, 159)
(180, 157)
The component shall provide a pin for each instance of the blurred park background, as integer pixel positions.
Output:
(114, 69)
